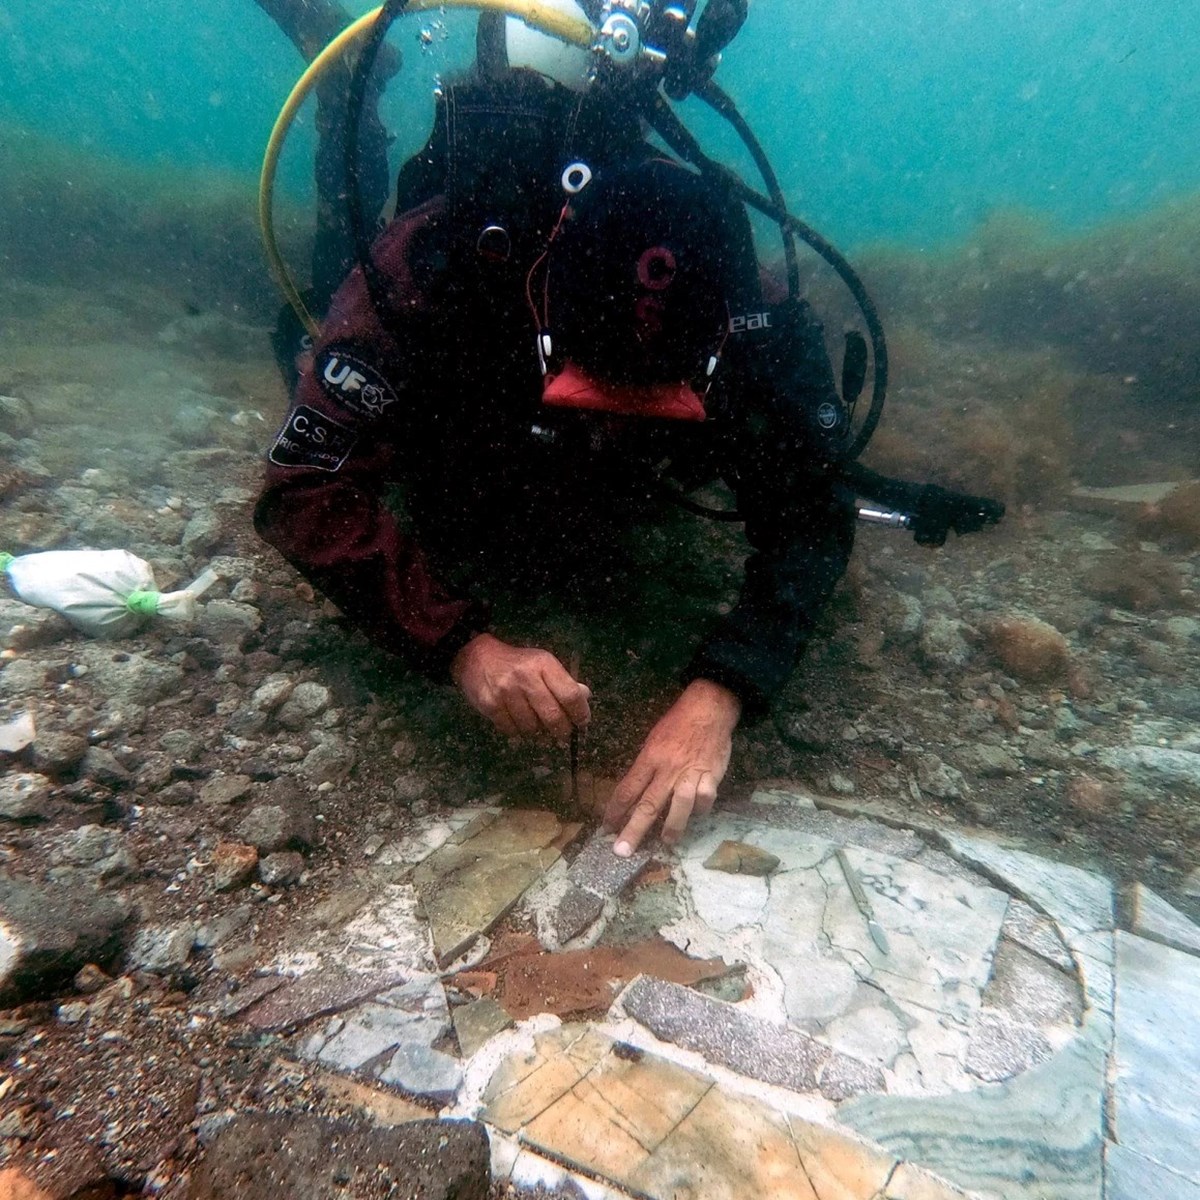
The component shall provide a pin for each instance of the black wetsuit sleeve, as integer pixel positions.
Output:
(799, 521)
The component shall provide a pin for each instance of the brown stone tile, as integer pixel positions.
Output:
(840, 1167)
(316, 995)
(726, 1149)
(473, 880)
(912, 1183)
(526, 1085)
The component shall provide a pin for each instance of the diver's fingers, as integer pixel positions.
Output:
(627, 791)
(642, 816)
(572, 695)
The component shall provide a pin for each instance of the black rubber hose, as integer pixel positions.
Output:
(360, 78)
(672, 130)
(722, 103)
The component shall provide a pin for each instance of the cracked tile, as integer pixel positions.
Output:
(1079, 901)
(1029, 928)
(1030, 989)
(471, 882)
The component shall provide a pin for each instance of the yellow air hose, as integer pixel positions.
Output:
(540, 16)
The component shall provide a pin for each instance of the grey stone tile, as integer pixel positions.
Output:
(1029, 989)
(1001, 1048)
(1129, 1176)
(1079, 901)
(746, 1044)
(599, 871)
(423, 1071)
(1157, 1054)
(1152, 917)
(368, 1033)
(1029, 928)
(1035, 1137)
(314, 995)
(576, 911)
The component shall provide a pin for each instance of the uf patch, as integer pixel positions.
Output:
(355, 385)
(311, 439)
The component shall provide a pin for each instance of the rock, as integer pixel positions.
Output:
(229, 622)
(903, 618)
(58, 752)
(16, 417)
(330, 761)
(281, 869)
(990, 762)
(1191, 883)
(1028, 648)
(202, 534)
(233, 863)
(182, 744)
(127, 678)
(177, 795)
(161, 949)
(942, 645)
(272, 692)
(48, 934)
(740, 858)
(939, 780)
(224, 789)
(17, 734)
(24, 677)
(23, 627)
(305, 703)
(1176, 517)
(100, 851)
(1092, 797)
(284, 825)
(102, 766)
(1152, 917)
(24, 797)
(1172, 766)
(89, 979)
(1136, 582)
(320, 1159)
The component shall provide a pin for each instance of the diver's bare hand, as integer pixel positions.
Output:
(679, 768)
(521, 690)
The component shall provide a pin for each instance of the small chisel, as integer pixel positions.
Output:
(864, 905)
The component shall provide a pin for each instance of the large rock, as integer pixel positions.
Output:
(1028, 649)
(47, 934)
(261, 1155)
(24, 796)
(286, 824)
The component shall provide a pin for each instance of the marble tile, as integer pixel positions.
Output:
(1156, 1055)
(1079, 901)
(1001, 1048)
(912, 1183)
(474, 879)
(1152, 917)
(1129, 1176)
(1029, 928)
(1039, 1135)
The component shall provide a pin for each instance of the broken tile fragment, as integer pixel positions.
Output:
(250, 993)
(1029, 928)
(741, 858)
(599, 871)
(421, 1070)
(1152, 917)
(477, 1022)
(467, 885)
(1029, 989)
(746, 1044)
(316, 995)
(577, 910)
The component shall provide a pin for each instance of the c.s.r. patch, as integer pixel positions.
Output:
(311, 439)
(353, 384)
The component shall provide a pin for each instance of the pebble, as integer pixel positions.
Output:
(272, 692)
(990, 762)
(942, 645)
(101, 851)
(103, 766)
(282, 825)
(305, 703)
(331, 761)
(58, 752)
(161, 949)
(182, 743)
(24, 797)
(937, 779)
(233, 864)
(224, 789)
(281, 869)
(229, 622)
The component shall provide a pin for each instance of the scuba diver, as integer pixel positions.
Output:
(564, 328)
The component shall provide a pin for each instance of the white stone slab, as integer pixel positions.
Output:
(1077, 900)
(1157, 920)
(1157, 1054)
(1129, 1176)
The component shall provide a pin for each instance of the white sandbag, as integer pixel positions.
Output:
(106, 593)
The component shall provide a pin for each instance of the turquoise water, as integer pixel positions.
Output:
(902, 121)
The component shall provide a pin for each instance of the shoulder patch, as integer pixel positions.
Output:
(353, 384)
(311, 439)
